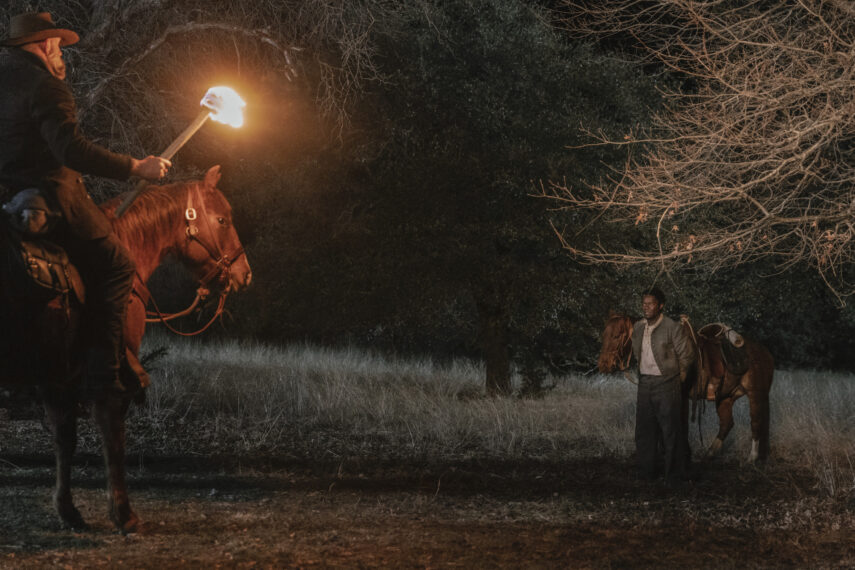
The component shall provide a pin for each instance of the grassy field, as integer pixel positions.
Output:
(255, 456)
(303, 401)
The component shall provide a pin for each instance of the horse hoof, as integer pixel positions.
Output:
(73, 521)
(755, 452)
(715, 448)
(130, 525)
(125, 519)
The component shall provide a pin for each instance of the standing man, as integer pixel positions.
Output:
(41, 146)
(664, 355)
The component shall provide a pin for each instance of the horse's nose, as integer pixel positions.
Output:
(241, 276)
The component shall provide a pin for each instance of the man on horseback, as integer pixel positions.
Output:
(664, 354)
(41, 146)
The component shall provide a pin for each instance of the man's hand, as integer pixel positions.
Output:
(151, 167)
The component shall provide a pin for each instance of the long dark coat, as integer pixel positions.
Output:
(41, 144)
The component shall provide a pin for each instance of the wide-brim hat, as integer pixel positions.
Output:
(35, 27)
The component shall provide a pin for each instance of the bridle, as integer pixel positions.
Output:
(222, 261)
(220, 272)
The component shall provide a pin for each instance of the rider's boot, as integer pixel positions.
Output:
(101, 375)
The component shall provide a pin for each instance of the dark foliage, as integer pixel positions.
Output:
(383, 184)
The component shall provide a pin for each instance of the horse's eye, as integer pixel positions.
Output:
(221, 220)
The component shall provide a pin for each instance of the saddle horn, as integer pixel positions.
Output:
(735, 338)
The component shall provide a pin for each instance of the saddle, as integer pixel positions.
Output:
(731, 345)
(734, 354)
(34, 265)
(37, 268)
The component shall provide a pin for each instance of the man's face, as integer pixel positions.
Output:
(650, 307)
(53, 53)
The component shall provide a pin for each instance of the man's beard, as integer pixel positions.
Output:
(56, 66)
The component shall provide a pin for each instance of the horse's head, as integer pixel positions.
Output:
(212, 248)
(617, 343)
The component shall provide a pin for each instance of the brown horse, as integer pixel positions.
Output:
(725, 375)
(710, 379)
(190, 221)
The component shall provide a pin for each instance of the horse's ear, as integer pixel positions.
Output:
(212, 177)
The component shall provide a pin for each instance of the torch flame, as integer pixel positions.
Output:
(225, 104)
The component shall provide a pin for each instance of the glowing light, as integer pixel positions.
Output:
(221, 104)
(225, 104)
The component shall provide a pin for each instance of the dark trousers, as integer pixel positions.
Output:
(108, 272)
(658, 422)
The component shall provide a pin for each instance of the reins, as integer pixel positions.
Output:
(626, 342)
(222, 268)
(165, 318)
(624, 366)
(698, 403)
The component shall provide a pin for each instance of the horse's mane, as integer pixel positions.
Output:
(156, 211)
(626, 321)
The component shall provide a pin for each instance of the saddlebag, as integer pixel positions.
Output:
(34, 266)
(39, 269)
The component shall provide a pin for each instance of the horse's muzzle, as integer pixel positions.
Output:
(240, 275)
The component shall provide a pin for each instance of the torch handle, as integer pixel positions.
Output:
(186, 134)
(129, 199)
(167, 154)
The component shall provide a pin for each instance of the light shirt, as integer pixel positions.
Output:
(648, 362)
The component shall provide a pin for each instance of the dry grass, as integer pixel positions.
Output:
(228, 397)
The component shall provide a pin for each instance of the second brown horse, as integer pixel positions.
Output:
(715, 378)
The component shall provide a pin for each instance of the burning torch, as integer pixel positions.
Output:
(221, 104)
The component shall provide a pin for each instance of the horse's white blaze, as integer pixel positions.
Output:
(755, 451)
(715, 448)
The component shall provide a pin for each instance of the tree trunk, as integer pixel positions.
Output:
(494, 343)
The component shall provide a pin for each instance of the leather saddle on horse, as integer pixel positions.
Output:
(38, 269)
(735, 355)
(34, 265)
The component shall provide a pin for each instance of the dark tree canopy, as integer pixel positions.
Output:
(385, 184)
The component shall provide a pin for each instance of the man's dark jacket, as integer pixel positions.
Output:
(41, 144)
(670, 345)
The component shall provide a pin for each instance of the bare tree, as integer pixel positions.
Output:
(328, 47)
(756, 158)
(332, 42)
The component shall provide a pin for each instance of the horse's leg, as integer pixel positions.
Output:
(109, 413)
(758, 401)
(725, 424)
(62, 422)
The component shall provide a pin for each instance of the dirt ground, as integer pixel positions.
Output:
(217, 512)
